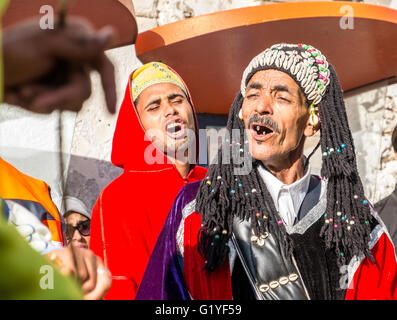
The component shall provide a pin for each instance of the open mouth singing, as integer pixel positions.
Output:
(175, 128)
(262, 128)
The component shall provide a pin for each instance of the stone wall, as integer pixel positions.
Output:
(372, 115)
(152, 13)
(384, 174)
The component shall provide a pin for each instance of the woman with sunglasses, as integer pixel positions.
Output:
(78, 221)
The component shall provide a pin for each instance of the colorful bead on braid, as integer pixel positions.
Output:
(331, 150)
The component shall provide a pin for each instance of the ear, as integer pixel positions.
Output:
(313, 123)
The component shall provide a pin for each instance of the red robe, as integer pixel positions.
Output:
(369, 281)
(130, 212)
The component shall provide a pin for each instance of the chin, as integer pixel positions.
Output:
(261, 151)
(180, 147)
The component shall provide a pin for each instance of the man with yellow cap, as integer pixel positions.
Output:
(156, 144)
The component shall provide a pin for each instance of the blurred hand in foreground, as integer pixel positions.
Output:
(50, 69)
(94, 277)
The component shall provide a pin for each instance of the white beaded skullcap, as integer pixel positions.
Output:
(304, 63)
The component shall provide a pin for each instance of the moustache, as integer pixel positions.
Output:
(265, 121)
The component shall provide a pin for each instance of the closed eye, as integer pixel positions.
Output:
(177, 101)
(175, 98)
(284, 99)
(154, 108)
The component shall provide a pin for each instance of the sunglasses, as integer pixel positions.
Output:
(83, 227)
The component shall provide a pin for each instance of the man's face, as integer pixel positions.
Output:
(77, 230)
(167, 117)
(276, 116)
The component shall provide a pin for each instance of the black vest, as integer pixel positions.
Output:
(262, 271)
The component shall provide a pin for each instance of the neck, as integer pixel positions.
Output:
(289, 169)
(289, 175)
(183, 168)
(184, 164)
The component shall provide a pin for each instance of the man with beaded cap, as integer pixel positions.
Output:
(276, 231)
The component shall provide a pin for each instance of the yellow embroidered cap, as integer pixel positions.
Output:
(153, 73)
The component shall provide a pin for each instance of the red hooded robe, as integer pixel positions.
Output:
(130, 212)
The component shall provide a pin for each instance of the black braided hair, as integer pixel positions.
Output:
(348, 220)
(224, 195)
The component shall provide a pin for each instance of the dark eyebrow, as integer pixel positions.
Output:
(279, 87)
(169, 97)
(175, 95)
(282, 88)
(155, 101)
(255, 85)
(258, 86)
(286, 89)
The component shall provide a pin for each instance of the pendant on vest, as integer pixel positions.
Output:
(272, 275)
(260, 241)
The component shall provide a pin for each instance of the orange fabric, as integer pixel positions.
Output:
(55, 227)
(17, 185)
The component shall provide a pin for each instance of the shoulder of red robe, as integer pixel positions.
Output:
(366, 280)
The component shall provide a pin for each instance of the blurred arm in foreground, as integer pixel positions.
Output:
(50, 69)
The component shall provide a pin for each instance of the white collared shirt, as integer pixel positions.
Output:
(287, 198)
